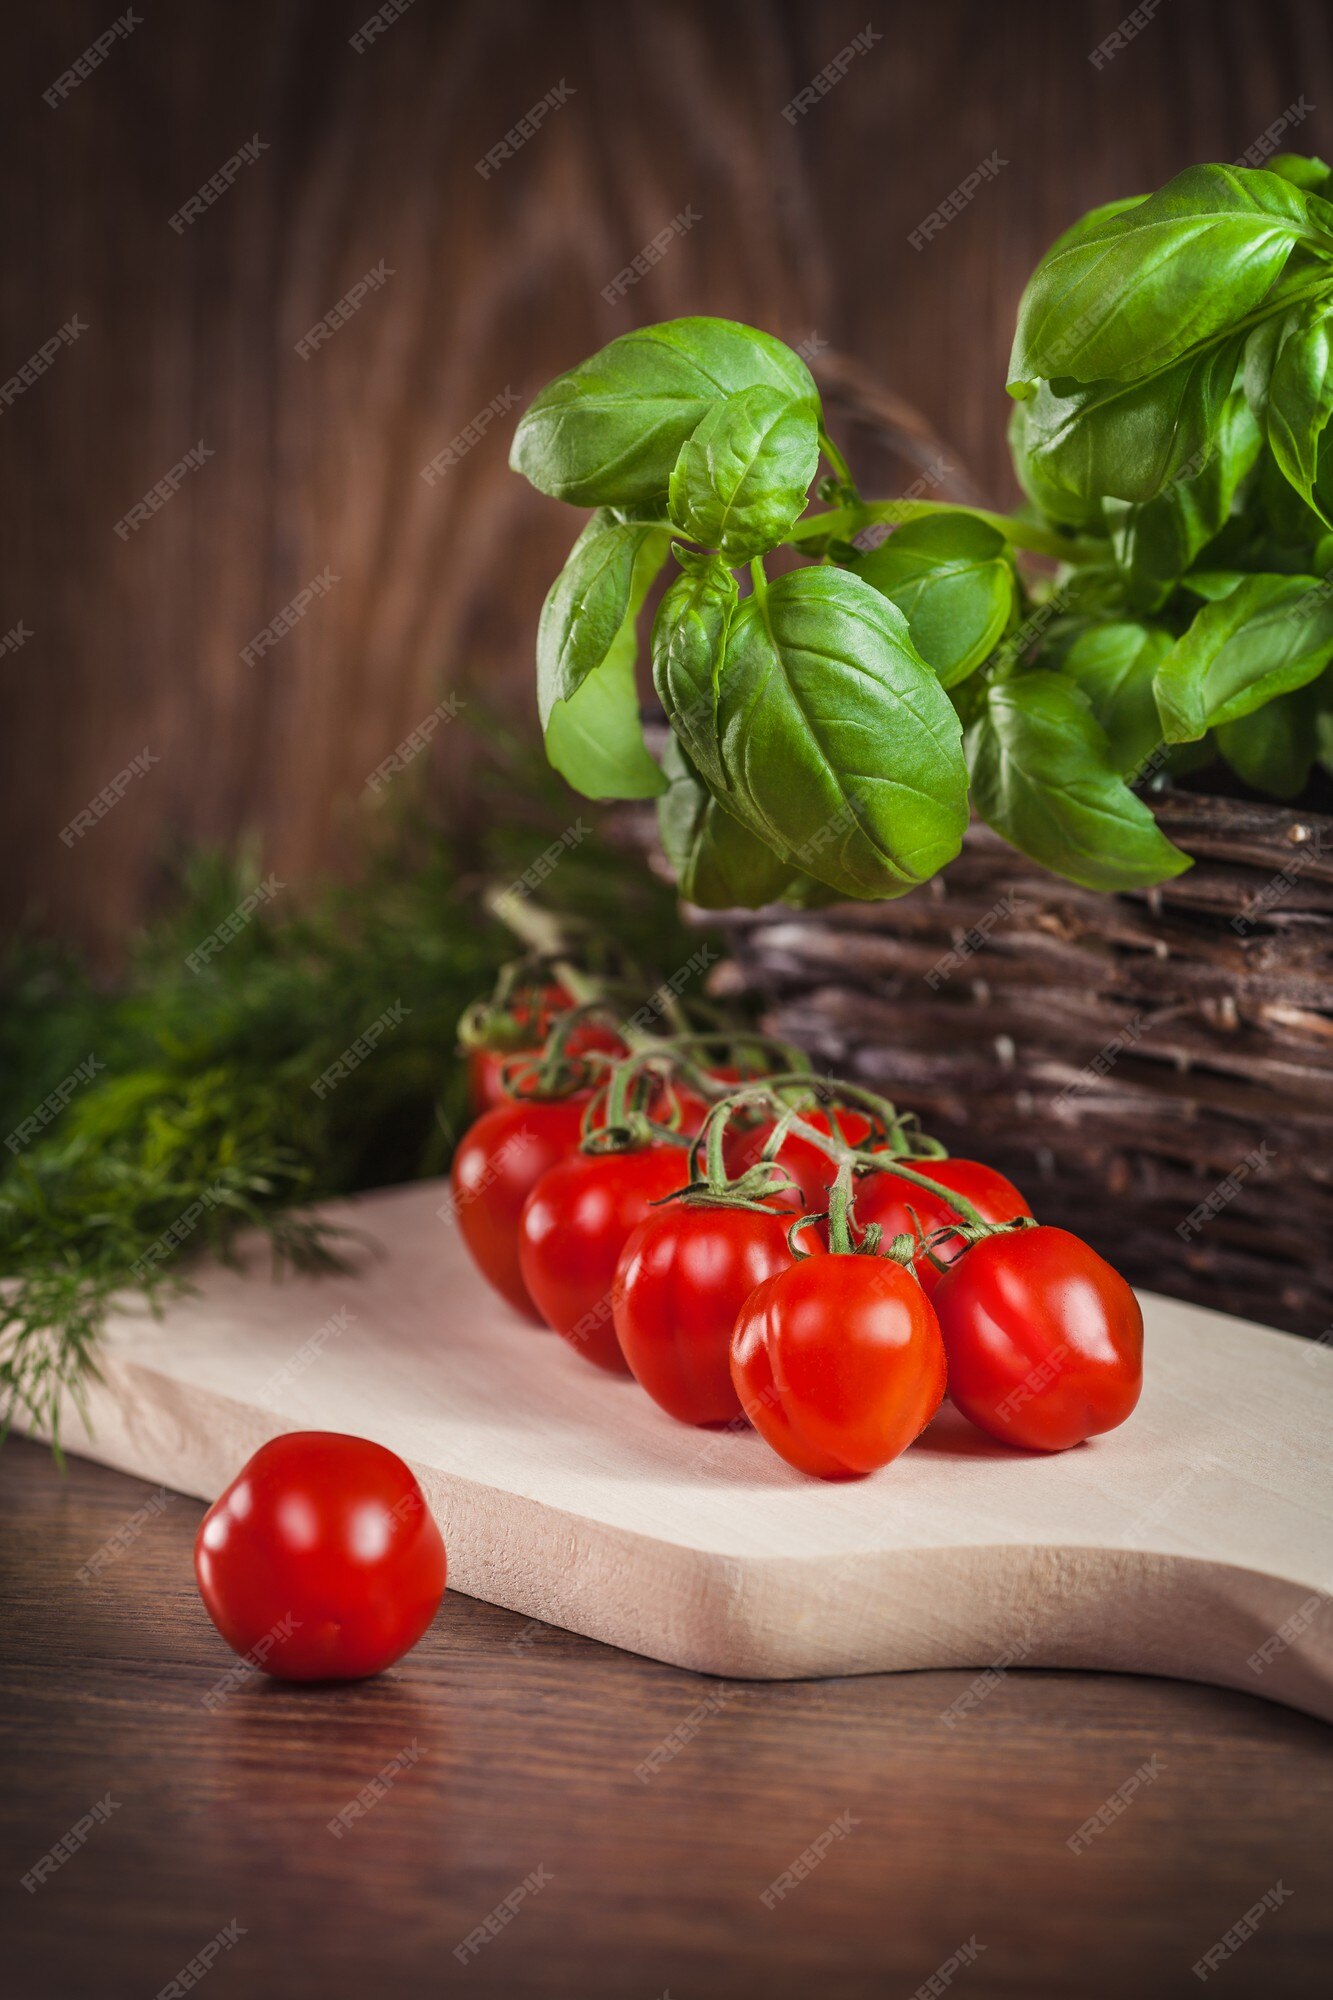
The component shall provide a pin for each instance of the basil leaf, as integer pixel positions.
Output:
(820, 726)
(586, 645)
(743, 477)
(1156, 540)
(804, 893)
(952, 578)
(718, 863)
(1302, 171)
(1044, 777)
(1300, 403)
(1114, 666)
(1125, 440)
(1274, 749)
(1144, 287)
(1269, 635)
(1213, 583)
(609, 431)
(1089, 226)
(688, 644)
(603, 583)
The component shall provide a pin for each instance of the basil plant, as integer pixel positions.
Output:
(833, 724)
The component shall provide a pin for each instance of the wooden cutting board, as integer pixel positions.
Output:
(1197, 1541)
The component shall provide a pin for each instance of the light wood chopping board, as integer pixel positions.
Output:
(1196, 1541)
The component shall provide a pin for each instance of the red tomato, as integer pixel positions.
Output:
(1045, 1340)
(812, 1170)
(682, 1278)
(499, 1161)
(321, 1560)
(838, 1362)
(887, 1197)
(485, 1066)
(574, 1226)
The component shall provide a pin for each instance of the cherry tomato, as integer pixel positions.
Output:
(886, 1198)
(487, 1085)
(529, 1021)
(321, 1561)
(838, 1362)
(575, 1224)
(682, 1278)
(1044, 1339)
(812, 1170)
(499, 1161)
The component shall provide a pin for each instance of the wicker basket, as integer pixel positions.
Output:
(1155, 1070)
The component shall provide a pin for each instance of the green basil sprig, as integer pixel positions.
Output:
(1172, 372)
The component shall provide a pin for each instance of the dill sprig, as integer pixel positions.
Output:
(200, 1100)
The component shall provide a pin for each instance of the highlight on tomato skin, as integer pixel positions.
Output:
(838, 1363)
(321, 1560)
(1044, 1339)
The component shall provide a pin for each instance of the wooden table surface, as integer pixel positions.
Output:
(512, 1751)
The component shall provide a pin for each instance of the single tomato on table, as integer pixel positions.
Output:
(838, 1363)
(575, 1224)
(682, 1278)
(890, 1199)
(321, 1561)
(498, 1162)
(1044, 1339)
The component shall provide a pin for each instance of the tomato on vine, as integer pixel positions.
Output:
(495, 1039)
(838, 1363)
(1044, 1338)
(573, 1227)
(682, 1279)
(810, 1167)
(903, 1207)
(498, 1162)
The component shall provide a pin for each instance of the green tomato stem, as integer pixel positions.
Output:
(839, 1213)
(839, 464)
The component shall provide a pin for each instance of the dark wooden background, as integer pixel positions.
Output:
(496, 284)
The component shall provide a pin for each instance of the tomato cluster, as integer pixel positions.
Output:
(746, 1248)
(744, 1251)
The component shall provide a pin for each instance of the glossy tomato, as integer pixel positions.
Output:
(1044, 1339)
(499, 1161)
(321, 1561)
(575, 1224)
(812, 1170)
(682, 1278)
(838, 1362)
(887, 1198)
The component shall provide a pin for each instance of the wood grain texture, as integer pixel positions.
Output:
(1179, 1544)
(496, 284)
(529, 1740)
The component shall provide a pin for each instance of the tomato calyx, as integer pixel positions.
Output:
(665, 1092)
(894, 1144)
